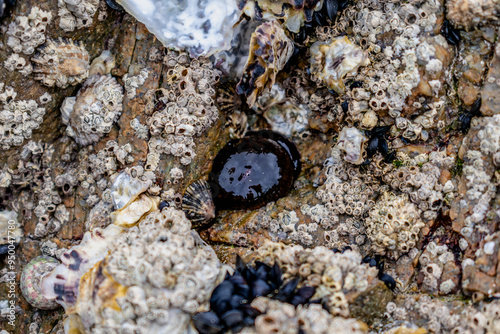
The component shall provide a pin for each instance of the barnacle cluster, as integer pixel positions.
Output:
(393, 225)
(18, 118)
(293, 13)
(183, 111)
(91, 114)
(16, 62)
(334, 275)
(278, 317)
(438, 267)
(332, 61)
(28, 32)
(76, 14)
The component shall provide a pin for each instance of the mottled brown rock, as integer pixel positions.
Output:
(370, 304)
(490, 98)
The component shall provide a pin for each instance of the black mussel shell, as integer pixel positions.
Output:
(449, 32)
(163, 205)
(221, 297)
(207, 323)
(383, 147)
(332, 8)
(372, 146)
(260, 287)
(388, 280)
(303, 295)
(286, 292)
(233, 319)
(389, 158)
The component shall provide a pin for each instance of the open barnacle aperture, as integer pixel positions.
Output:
(230, 301)
(246, 174)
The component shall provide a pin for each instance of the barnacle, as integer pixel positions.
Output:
(352, 141)
(61, 63)
(93, 111)
(331, 62)
(270, 49)
(76, 14)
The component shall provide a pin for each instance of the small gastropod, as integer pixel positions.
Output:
(246, 174)
(32, 282)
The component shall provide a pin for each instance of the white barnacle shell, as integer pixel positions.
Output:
(93, 111)
(351, 141)
(332, 61)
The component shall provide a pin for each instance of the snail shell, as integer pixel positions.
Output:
(32, 282)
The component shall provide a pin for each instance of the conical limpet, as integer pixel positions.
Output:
(32, 279)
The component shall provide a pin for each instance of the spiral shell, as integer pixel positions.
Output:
(31, 282)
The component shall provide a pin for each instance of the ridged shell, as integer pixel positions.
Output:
(31, 282)
(198, 204)
(61, 63)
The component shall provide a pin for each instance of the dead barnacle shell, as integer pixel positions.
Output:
(32, 282)
(331, 62)
(351, 141)
(198, 204)
(61, 63)
(270, 49)
(93, 111)
(126, 189)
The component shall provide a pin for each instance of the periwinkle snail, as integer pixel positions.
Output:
(246, 174)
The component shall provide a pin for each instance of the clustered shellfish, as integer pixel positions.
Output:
(230, 300)
(93, 111)
(246, 174)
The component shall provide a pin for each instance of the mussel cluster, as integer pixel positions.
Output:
(230, 301)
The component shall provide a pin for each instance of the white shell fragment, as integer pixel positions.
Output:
(200, 27)
(126, 188)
